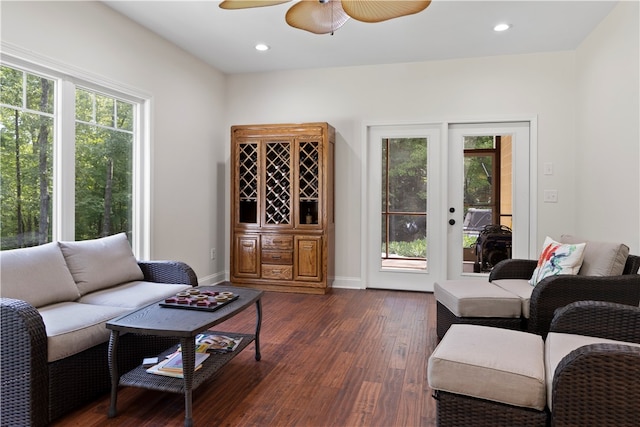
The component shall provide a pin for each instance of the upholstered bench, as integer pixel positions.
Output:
(486, 364)
(476, 302)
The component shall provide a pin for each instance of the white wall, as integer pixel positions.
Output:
(502, 87)
(188, 162)
(571, 93)
(608, 129)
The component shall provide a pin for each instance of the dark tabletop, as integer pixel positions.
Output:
(176, 322)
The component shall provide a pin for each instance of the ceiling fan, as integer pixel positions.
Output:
(326, 16)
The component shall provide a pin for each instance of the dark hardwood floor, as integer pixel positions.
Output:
(350, 358)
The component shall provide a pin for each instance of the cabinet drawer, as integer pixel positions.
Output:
(277, 242)
(281, 272)
(277, 257)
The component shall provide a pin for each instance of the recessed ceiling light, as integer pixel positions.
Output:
(262, 47)
(501, 27)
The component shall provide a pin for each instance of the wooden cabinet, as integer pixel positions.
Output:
(282, 217)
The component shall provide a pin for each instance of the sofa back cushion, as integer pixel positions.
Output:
(37, 275)
(600, 258)
(101, 263)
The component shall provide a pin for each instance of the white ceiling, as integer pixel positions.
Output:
(447, 29)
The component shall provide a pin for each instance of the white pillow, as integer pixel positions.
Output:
(557, 258)
(37, 275)
(101, 263)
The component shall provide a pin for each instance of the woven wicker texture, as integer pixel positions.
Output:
(23, 362)
(454, 410)
(168, 272)
(597, 385)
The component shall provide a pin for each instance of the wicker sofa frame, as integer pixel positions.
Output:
(550, 294)
(35, 392)
(595, 385)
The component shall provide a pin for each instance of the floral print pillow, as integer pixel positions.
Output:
(558, 258)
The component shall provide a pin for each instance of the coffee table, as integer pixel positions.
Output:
(183, 324)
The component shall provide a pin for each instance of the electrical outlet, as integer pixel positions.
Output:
(212, 253)
(551, 196)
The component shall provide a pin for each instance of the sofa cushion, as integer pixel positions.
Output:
(600, 258)
(495, 364)
(37, 275)
(558, 258)
(73, 327)
(477, 298)
(519, 287)
(101, 263)
(133, 294)
(559, 345)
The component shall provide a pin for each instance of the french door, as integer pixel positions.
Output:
(488, 183)
(430, 188)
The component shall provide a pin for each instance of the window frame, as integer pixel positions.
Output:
(67, 78)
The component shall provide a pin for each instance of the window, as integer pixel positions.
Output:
(63, 175)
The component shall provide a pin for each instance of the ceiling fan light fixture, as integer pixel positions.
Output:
(318, 17)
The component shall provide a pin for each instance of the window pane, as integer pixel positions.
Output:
(104, 110)
(479, 142)
(408, 236)
(39, 94)
(125, 116)
(84, 106)
(11, 87)
(478, 189)
(103, 181)
(25, 178)
(407, 178)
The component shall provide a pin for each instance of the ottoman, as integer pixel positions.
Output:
(476, 302)
(488, 376)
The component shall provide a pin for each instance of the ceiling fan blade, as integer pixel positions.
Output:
(317, 17)
(382, 10)
(246, 4)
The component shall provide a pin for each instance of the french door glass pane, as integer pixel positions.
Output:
(404, 203)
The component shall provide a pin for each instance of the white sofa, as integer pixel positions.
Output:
(56, 299)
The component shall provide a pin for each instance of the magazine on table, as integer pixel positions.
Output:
(215, 343)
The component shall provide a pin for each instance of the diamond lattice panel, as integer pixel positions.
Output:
(248, 172)
(308, 170)
(278, 183)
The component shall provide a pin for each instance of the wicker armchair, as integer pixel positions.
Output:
(557, 291)
(597, 384)
(593, 385)
(34, 392)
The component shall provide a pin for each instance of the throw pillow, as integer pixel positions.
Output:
(101, 263)
(600, 258)
(557, 258)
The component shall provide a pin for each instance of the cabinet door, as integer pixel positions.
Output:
(247, 256)
(246, 181)
(308, 258)
(308, 182)
(277, 184)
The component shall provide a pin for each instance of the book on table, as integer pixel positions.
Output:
(172, 365)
